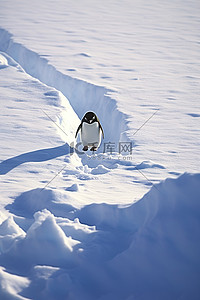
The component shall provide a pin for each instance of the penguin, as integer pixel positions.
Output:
(91, 131)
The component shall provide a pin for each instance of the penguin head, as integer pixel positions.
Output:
(90, 117)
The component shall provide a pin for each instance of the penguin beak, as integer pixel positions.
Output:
(90, 121)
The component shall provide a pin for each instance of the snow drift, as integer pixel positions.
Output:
(106, 252)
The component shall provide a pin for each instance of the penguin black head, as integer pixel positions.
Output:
(90, 117)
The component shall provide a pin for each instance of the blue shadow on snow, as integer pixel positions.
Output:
(34, 156)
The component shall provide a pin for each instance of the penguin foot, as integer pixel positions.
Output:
(93, 149)
(85, 148)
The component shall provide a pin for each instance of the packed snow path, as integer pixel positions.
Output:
(49, 102)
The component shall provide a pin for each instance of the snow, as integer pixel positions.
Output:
(121, 223)
(11, 285)
(153, 242)
(3, 62)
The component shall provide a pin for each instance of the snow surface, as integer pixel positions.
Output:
(103, 226)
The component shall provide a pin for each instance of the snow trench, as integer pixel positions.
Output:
(82, 96)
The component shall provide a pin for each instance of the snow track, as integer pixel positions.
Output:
(75, 97)
(83, 96)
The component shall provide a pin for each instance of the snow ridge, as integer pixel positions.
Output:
(106, 252)
(83, 96)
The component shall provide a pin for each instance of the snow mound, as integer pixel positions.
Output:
(44, 243)
(11, 285)
(47, 242)
(76, 229)
(9, 227)
(153, 243)
(145, 165)
(3, 62)
(9, 233)
(32, 201)
(72, 188)
(100, 169)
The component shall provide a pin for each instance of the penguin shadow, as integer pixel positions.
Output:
(34, 156)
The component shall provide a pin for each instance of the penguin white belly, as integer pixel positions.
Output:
(90, 134)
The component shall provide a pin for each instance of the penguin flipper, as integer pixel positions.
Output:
(79, 127)
(101, 129)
